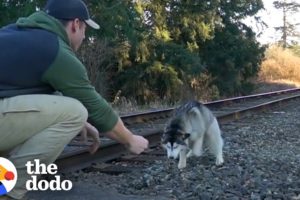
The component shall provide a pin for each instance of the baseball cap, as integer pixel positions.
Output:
(70, 9)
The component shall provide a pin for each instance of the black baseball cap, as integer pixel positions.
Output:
(70, 9)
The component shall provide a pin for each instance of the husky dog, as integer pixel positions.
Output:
(192, 124)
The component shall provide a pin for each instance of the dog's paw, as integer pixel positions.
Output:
(189, 154)
(198, 153)
(181, 165)
(219, 160)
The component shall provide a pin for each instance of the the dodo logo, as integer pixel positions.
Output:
(8, 176)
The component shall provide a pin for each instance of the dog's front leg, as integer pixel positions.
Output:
(182, 159)
(197, 147)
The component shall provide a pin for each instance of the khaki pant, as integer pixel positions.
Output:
(37, 127)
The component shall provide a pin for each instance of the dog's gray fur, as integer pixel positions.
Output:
(192, 125)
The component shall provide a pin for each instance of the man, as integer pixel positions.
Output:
(36, 59)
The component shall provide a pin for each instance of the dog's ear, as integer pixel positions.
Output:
(164, 138)
(186, 136)
(181, 142)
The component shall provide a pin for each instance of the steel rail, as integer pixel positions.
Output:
(109, 150)
(261, 107)
(79, 159)
(164, 113)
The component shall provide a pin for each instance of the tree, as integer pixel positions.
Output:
(233, 56)
(288, 29)
(167, 52)
(11, 10)
(158, 49)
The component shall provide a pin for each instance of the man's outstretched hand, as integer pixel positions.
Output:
(137, 144)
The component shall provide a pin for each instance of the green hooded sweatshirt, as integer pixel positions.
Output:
(66, 74)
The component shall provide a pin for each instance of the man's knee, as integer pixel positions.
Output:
(77, 110)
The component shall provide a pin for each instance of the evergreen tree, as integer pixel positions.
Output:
(288, 29)
(11, 10)
(233, 56)
(150, 49)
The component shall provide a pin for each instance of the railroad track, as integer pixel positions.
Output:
(150, 125)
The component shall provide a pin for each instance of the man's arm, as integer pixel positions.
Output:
(135, 143)
(68, 76)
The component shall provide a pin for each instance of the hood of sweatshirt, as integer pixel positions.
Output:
(42, 20)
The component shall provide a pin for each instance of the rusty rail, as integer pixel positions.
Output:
(80, 158)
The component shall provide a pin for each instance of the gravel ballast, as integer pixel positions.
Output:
(262, 161)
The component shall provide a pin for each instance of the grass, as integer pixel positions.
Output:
(280, 70)
(280, 65)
